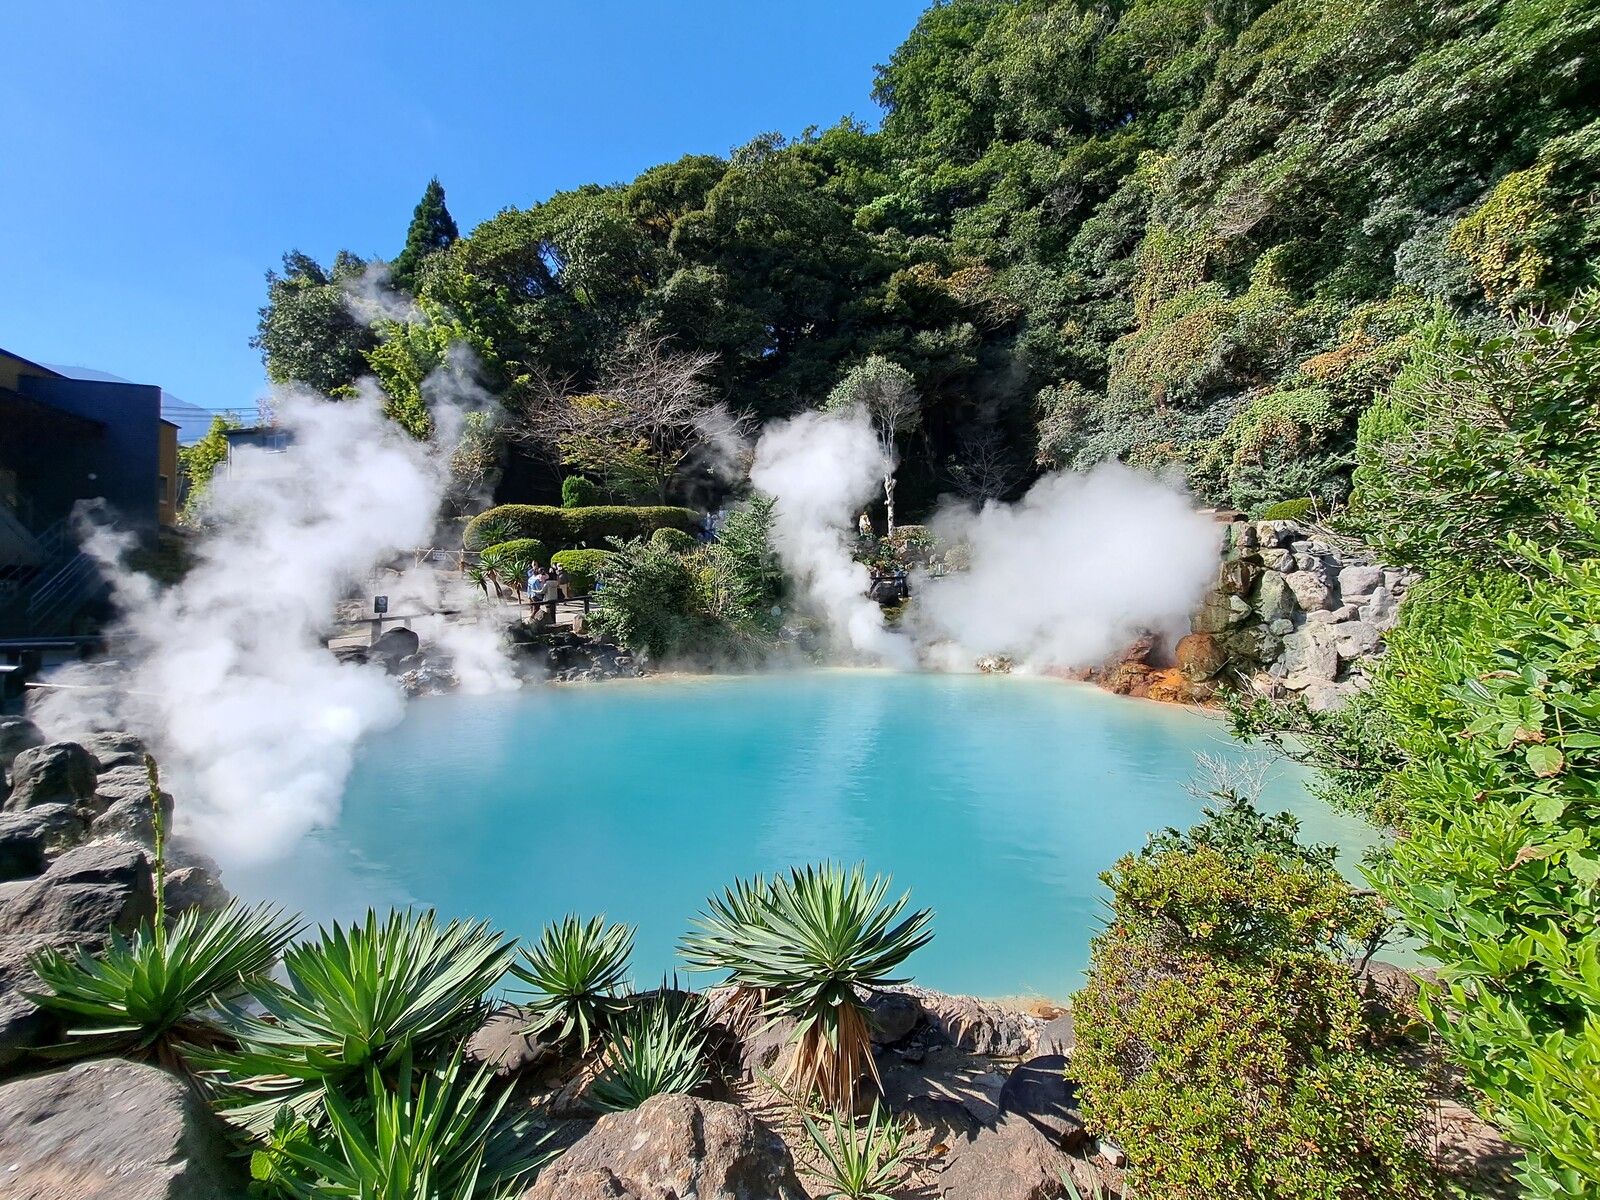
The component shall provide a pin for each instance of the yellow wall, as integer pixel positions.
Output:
(13, 368)
(167, 485)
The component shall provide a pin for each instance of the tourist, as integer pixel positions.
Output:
(864, 527)
(563, 584)
(536, 589)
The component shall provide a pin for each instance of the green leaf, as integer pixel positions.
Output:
(1545, 760)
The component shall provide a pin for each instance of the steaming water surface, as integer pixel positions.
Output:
(997, 801)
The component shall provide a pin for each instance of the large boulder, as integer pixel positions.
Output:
(16, 735)
(503, 1043)
(398, 643)
(1059, 1036)
(1311, 656)
(116, 750)
(1358, 580)
(85, 894)
(61, 826)
(111, 1130)
(894, 1016)
(57, 773)
(1310, 588)
(1010, 1160)
(1200, 656)
(22, 851)
(1039, 1092)
(979, 1026)
(673, 1146)
(120, 783)
(1275, 600)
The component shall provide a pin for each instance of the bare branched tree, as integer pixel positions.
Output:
(651, 413)
(983, 469)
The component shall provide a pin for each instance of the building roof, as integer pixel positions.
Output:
(193, 422)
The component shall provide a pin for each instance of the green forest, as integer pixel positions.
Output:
(1165, 231)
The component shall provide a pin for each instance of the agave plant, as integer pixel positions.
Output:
(355, 999)
(435, 1135)
(859, 1163)
(806, 942)
(657, 1047)
(153, 994)
(575, 972)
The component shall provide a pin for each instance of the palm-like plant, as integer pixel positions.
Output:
(657, 1047)
(807, 941)
(436, 1135)
(859, 1163)
(576, 971)
(723, 932)
(151, 994)
(357, 998)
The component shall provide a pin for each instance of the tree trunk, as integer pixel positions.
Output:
(888, 504)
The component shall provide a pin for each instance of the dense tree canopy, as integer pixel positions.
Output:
(1167, 231)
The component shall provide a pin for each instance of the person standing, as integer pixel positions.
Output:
(864, 527)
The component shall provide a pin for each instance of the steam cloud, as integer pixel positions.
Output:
(821, 468)
(226, 673)
(1075, 570)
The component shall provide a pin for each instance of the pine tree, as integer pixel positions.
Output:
(432, 228)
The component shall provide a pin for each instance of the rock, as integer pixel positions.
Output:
(116, 750)
(1275, 600)
(121, 783)
(894, 1015)
(1360, 580)
(1275, 534)
(1059, 1036)
(1200, 656)
(673, 1146)
(1356, 638)
(1281, 627)
(16, 735)
(946, 1118)
(1311, 591)
(111, 1130)
(1237, 576)
(1008, 1161)
(21, 847)
(1383, 610)
(58, 773)
(1326, 697)
(87, 892)
(194, 887)
(1215, 615)
(22, 1025)
(1311, 657)
(979, 1026)
(1039, 1092)
(131, 820)
(501, 1043)
(1277, 560)
(764, 1050)
(1240, 606)
(60, 825)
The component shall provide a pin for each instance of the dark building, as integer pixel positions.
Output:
(63, 441)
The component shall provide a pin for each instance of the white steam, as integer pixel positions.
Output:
(226, 672)
(1077, 569)
(821, 468)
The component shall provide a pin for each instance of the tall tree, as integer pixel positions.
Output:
(306, 332)
(888, 394)
(432, 228)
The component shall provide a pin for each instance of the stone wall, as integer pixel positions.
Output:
(1291, 614)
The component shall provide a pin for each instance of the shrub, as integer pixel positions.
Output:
(658, 1048)
(512, 559)
(860, 1164)
(576, 970)
(436, 1134)
(913, 545)
(1221, 1037)
(151, 994)
(809, 942)
(578, 492)
(675, 540)
(583, 567)
(1289, 510)
(569, 528)
(354, 998)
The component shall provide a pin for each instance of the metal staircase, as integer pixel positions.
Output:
(42, 600)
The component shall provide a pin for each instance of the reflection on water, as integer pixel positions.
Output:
(998, 801)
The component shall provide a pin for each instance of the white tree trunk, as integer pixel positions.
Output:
(888, 504)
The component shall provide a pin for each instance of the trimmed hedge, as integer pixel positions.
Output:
(1288, 510)
(672, 539)
(578, 492)
(520, 554)
(572, 528)
(582, 567)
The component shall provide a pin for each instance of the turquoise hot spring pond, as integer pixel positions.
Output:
(997, 801)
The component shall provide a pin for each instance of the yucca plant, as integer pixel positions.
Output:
(657, 1047)
(807, 941)
(719, 945)
(576, 971)
(356, 998)
(434, 1135)
(859, 1163)
(153, 994)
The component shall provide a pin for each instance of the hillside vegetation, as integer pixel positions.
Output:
(1163, 231)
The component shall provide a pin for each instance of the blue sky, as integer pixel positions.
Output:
(158, 158)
